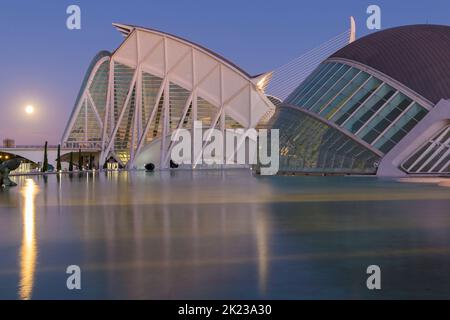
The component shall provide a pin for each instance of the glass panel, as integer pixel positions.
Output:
(317, 84)
(433, 157)
(335, 88)
(444, 166)
(123, 138)
(369, 108)
(309, 145)
(356, 101)
(230, 123)
(434, 160)
(332, 79)
(77, 133)
(422, 161)
(187, 123)
(342, 97)
(93, 129)
(150, 89)
(415, 156)
(123, 75)
(99, 88)
(206, 112)
(384, 118)
(178, 100)
(400, 127)
(308, 82)
(156, 126)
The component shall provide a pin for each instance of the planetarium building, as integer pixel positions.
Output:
(132, 99)
(378, 106)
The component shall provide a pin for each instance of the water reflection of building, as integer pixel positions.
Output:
(174, 246)
(28, 250)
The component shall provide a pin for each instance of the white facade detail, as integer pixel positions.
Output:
(424, 151)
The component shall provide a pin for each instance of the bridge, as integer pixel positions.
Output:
(35, 153)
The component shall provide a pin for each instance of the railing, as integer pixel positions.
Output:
(97, 145)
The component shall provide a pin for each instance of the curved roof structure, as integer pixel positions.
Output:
(418, 56)
(193, 67)
(126, 29)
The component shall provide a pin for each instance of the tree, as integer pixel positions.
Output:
(45, 163)
(80, 161)
(58, 160)
(71, 162)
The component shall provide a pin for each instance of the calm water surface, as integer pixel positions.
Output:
(223, 235)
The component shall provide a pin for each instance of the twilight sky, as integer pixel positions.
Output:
(42, 62)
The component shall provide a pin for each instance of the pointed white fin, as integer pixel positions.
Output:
(124, 29)
(352, 30)
(262, 81)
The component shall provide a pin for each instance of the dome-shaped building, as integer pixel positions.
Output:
(378, 106)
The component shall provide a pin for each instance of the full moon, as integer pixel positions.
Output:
(29, 109)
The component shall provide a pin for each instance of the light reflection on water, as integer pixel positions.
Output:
(210, 234)
(28, 250)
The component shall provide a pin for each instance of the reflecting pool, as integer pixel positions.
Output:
(222, 235)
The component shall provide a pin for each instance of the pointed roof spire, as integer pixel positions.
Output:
(124, 29)
(352, 30)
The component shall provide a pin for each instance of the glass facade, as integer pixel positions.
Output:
(87, 129)
(433, 157)
(150, 88)
(360, 103)
(308, 145)
(99, 88)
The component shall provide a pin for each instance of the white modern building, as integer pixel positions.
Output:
(132, 99)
